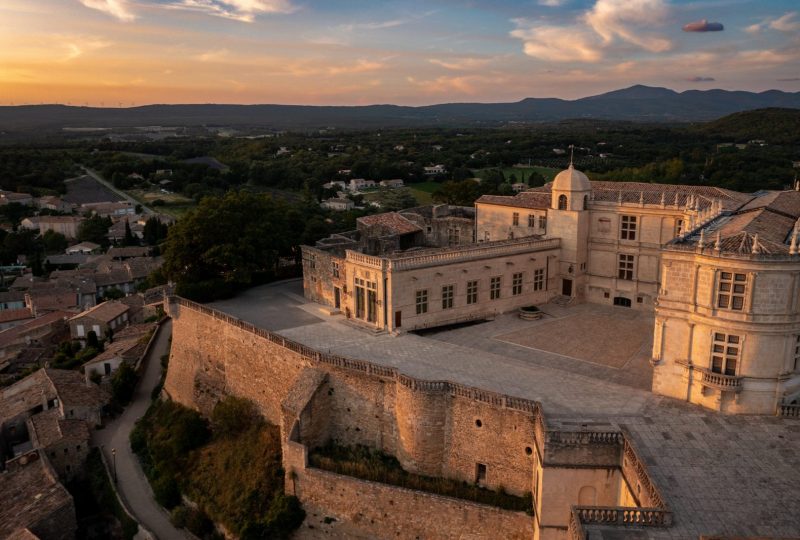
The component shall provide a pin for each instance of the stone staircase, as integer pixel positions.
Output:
(562, 300)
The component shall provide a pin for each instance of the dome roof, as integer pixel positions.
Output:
(571, 179)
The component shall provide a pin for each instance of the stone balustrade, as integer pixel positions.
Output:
(625, 516)
(789, 411)
(720, 381)
(422, 259)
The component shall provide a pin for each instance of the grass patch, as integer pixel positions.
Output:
(231, 469)
(423, 191)
(96, 506)
(368, 464)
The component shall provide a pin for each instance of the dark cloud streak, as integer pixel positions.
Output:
(703, 26)
(701, 79)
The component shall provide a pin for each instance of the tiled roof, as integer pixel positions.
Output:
(524, 199)
(106, 312)
(12, 334)
(73, 390)
(31, 493)
(49, 428)
(9, 315)
(131, 348)
(391, 222)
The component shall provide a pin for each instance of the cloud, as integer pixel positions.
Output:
(463, 64)
(558, 43)
(786, 23)
(361, 66)
(551, 3)
(212, 56)
(701, 79)
(119, 9)
(703, 26)
(237, 10)
(608, 24)
(621, 19)
(376, 25)
(76, 46)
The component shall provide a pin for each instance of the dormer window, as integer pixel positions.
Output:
(562, 202)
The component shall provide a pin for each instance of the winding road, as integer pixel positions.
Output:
(131, 481)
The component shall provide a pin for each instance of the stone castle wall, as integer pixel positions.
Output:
(436, 428)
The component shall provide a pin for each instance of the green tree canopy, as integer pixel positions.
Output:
(94, 229)
(226, 242)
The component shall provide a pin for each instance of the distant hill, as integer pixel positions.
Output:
(637, 103)
(775, 126)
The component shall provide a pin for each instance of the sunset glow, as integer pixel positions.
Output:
(126, 52)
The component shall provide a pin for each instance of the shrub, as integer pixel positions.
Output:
(232, 416)
(123, 383)
(165, 489)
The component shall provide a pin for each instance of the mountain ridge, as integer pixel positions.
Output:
(636, 103)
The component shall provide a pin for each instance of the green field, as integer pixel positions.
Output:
(521, 173)
(423, 191)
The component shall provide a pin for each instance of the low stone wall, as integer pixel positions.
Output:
(394, 512)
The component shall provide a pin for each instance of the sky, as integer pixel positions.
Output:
(356, 52)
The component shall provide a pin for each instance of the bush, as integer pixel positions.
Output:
(165, 489)
(284, 516)
(233, 416)
(123, 383)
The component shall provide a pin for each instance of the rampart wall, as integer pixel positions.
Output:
(435, 428)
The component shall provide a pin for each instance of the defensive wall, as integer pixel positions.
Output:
(580, 474)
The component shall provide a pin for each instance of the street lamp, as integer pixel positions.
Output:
(114, 460)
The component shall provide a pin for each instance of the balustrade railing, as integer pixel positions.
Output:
(720, 380)
(789, 411)
(467, 253)
(621, 515)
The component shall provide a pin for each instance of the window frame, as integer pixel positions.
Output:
(538, 279)
(516, 283)
(721, 356)
(731, 290)
(626, 266)
(472, 292)
(628, 227)
(495, 287)
(515, 219)
(448, 293)
(421, 301)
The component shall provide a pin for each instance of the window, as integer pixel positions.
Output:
(538, 279)
(79, 330)
(585, 202)
(725, 353)
(797, 353)
(531, 221)
(480, 473)
(494, 288)
(625, 266)
(447, 296)
(731, 290)
(515, 219)
(472, 292)
(543, 222)
(372, 301)
(562, 202)
(422, 301)
(516, 284)
(453, 236)
(335, 265)
(678, 227)
(628, 228)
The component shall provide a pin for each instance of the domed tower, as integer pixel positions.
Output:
(568, 219)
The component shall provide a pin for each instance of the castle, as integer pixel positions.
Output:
(599, 459)
(719, 268)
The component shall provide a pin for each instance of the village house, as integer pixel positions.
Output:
(105, 317)
(339, 204)
(128, 347)
(10, 197)
(32, 333)
(395, 183)
(56, 204)
(85, 248)
(110, 209)
(434, 170)
(357, 184)
(66, 225)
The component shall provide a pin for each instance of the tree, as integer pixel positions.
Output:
(392, 200)
(94, 229)
(91, 339)
(123, 383)
(129, 239)
(154, 231)
(113, 294)
(54, 242)
(462, 193)
(206, 259)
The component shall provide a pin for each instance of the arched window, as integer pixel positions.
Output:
(562, 202)
(585, 202)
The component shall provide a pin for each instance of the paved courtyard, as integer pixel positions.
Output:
(722, 475)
